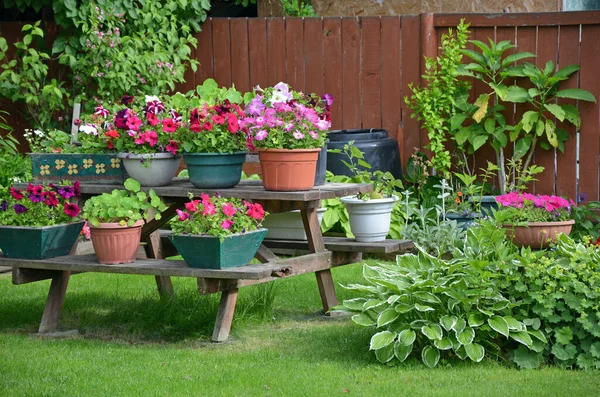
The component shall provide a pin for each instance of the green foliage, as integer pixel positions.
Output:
(14, 167)
(587, 221)
(559, 294)
(430, 307)
(434, 105)
(24, 79)
(298, 8)
(123, 206)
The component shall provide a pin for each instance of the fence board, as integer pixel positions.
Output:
(294, 56)
(391, 96)
(332, 48)
(313, 54)
(351, 87)
(568, 54)
(275, 50)
(204, 53)
(257, 41)
(589, 143)
(222, 51)
(240, 57)
(371, 72)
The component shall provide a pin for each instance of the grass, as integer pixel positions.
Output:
(131, 344)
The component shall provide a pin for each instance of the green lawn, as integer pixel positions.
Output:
(133, 344)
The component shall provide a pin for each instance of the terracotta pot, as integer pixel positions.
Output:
(288, 169)
(537, 235)
(116, 244)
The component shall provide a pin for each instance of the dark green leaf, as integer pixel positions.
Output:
(576, 93)
(430, 356)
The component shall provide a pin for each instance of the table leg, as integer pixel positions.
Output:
(225, 315)
(154, 250)
(54, 303)
(316, 244)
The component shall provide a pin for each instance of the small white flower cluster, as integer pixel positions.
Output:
(89, 129)
(34, 138)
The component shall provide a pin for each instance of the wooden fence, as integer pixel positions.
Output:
(366, 63)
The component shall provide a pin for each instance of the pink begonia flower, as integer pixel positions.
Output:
(228, 209)
(298, 135)
(182, 215)
(134, 123)
(226, 224)
(260, 135)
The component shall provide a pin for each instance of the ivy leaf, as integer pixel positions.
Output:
(401, 351)
(430, 356)
(381, 340)
(499, 325)
(475, 351)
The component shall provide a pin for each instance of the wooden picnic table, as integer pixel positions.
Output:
(318, 259)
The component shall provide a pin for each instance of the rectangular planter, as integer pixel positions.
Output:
(208, 252)
(38, 242)
(288, 225)
(104, 169)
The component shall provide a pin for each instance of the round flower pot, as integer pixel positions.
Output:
(288, 169)
(288, 225)
(116, 244)
(38, 242)
(156, 169)
(463, 220)
(214, 170)
(537, 234)
(369, 220)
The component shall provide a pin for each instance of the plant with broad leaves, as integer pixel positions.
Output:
(430, 306)
(123, 206)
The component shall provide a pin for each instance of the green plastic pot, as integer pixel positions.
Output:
(208, 252)
(38, 242)
(214, 170)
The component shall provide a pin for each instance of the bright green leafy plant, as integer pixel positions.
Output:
(123, 206)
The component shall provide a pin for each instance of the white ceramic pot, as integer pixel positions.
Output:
(369, 220)
(288, 225)
(157, 169)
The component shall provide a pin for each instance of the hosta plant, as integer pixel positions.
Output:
(430, 307)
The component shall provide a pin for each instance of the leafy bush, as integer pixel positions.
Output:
(429, 306)
(562, 291)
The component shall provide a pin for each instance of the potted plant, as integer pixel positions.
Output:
(216, 233)
(116, 221)
(40, 222)
(289, 130)
(143, 136)
(288, 225)
(369, 213)
(534, 220)
(214, 145)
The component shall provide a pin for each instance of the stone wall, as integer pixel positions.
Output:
(329, 8)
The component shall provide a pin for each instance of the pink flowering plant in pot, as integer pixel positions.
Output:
(40, 221)
(217, 232)
(534, 220)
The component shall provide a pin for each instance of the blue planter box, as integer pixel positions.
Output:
(208, 252)
(105, 169)
(38, 242)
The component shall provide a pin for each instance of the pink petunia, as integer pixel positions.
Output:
(152, 119)
(151, 137)
(260, 135)
(71, 209)
(228, 209)
(169, 125)
(226, 224)
(182, 215)
(134, 123)
(192, 205)
(256, 211)
(298, 135)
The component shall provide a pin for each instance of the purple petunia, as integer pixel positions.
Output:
(66, 192)
(36, 198)
(19, 208)
(4, 205)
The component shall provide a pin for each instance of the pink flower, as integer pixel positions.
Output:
(71, 209)
(172, 147)
(209, 208)
(260, 135)
(256, 211)
(151, 137)
(298, 135)
(152, 119)
(101, 111)
(134, 123)
(228, 209)
(169, 125)
(192, 206)
(226, 224)
(182, 215)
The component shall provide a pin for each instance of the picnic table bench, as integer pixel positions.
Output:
(317, 254)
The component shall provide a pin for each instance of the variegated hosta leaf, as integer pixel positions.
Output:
(381, 339)
(363, 319)
(466, 336)
(430, 356)
(385, 354)
(448, 322)
(443, 344)
(407, 337)
(499, 325)
(475, 351)
(386, 317)
(433, 331)
(402, 351)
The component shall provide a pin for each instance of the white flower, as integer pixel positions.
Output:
(278, 96)
(39, 133)
(89, 129)
(151, 98)
(15, 179)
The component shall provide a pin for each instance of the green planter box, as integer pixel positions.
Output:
(208, 252)
(105, 169)
(38, 242)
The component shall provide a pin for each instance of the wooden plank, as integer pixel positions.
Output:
(351, 78)
(341, 244)
(275, 50)
(332, 49)
(313, 56)
(204, 53)
(25, 276)
(313, 230)
(568, 54)
(391, 72)
(589, 137)
(371, 72)
(240, 54)
(225, 315)
(54, 303)
(153, 250)
(326, 290)
(265, 255)
(294, 36)
(521, 19)
(547, 50)
(428, 48)
(165, 217)
(257, 42)
(410, 60)
(222, 51)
